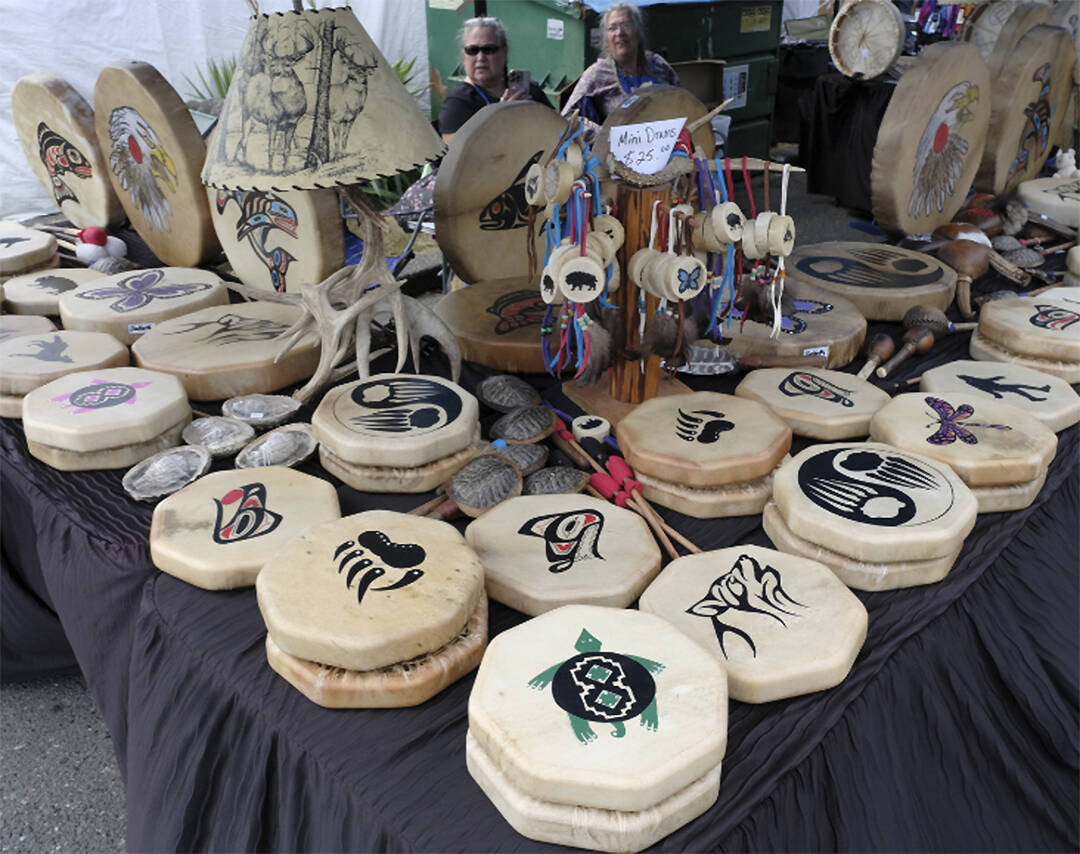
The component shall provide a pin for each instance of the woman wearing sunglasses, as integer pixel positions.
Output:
(486, 77)
(624, 65)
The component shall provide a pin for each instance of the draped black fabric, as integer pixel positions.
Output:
(956, 730)
(838, 148)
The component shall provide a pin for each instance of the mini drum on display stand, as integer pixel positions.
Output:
(229, 350)
(704, 454)
(879, 517)
(397, 432)
(104, 419)
(543, 551)
(218, 532)
(780, 624)
(30, 361)
(374, 610)
(998, 450)
(548, 698)
(126, 305)
(815, 402)
(1040, 332)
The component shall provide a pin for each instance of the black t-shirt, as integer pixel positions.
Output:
(464, 101)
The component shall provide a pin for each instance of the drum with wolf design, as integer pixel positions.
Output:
(543, 551)
(998, 450)
(781, 625)
(597, 727)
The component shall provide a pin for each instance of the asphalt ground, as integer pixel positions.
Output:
(60, 788)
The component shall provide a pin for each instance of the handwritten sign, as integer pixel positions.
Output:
(646, 147)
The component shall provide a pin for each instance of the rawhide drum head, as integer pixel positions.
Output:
(548, 698)
(781, 625)
(497, 324)
(998, 450)
(1041, 395)
(15, 325)
(1029, 101)
(866, 38)
(108, 418)
(218, 532)
(370, 591)
(56, 128)
(23, 250)
(873, 502)
(931, 140)
(481, 215)
(1046, 326)
(396, 420)
(279, 240)
(703, 438)
(128, 304)
(30, 361)
(39, 293)
(1057, 198)
(653, 104)
(881, 281)
(543, 551)
(816, 402)
(229, 350)
(155, 154)
(814, 322)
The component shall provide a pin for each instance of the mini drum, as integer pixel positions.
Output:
(549, 695)
(374, 610)
(780, 624)
(39, 293)
(879, 517)
(218, 532)
(998, 450)
(543, 551)
(704, 454)
(397, 432)
(104, 419)
(1040, 332)
(24, 250)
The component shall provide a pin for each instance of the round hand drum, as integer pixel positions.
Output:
(104, 419)
(881, 518)
(395, 600)
(548, 698)
(781, 625)
(1041, 332)
(218, 532)
(128, 304)
(56, 128)
(815, 322)
(815, 402)
(543, 551)
(1029, 102)
(39, 293)
(155, 153)
(930, 140)
(275, 240)
(30, 361)
(1044, 396)
(228, 350)
(882, 281)
(704, 454)
(998, 450)
(397, 432)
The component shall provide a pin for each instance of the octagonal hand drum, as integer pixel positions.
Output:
(1040, 332)
(597, 727)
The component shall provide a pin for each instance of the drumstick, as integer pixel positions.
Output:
(624, 476)
(609, 489)
(920, 340)
(880, 348)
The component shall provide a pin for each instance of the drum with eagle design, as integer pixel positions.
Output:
(155, 153)
(931, 140)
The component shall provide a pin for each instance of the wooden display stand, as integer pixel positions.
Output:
(628, 385)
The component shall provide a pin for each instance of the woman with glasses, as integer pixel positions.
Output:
(624, 65)
(486, 76)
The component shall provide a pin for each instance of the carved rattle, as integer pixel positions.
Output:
(935, 320)
(878, 349)
(917, 340)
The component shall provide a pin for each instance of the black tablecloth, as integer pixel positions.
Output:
(957, 728)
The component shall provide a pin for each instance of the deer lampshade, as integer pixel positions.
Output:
(314, 104)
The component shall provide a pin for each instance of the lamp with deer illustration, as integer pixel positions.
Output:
(314, 104)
